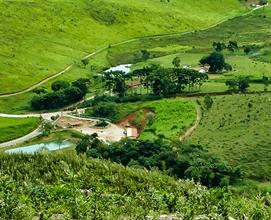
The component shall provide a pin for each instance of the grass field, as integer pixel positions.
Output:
(12, 128)
(237, 128)
(171, 118)
(40, 38)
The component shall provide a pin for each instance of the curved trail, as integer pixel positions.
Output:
(114, 45)
(190, 130)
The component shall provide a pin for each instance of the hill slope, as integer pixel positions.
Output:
(39, 38)
(69, 187)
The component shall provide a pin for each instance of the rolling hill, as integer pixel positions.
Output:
(39, 38)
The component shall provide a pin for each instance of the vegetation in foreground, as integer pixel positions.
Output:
(63, 186)
(237, 128)
(12, 128)
(184, 162)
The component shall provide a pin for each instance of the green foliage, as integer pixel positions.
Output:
(208, 102)
(59, 85)
(104, 110)
(190, 162)
(47, 127)
(64, 186)
(63, 95)
(241, 84)
(216, 61)
(176, 62)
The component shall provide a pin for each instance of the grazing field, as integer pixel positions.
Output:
(237, 128)
(40, 38)
(12, 128)
(250, 29)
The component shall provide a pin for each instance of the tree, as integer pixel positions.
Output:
(243, 84)
(87, 142)
(232, 46)
(82, 84)
(46, 128)
(247, 49)
(85, 61)
(120, 87)
(216, 61)
(105, 110)
(145, 54)
(263, 2)
(73, 94)
(60, 84)
(218, 46)
(176, 62)
(232, 84)
(266, 82)
(208, 102)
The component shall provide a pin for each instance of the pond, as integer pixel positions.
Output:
(126, 68)
(50, 146)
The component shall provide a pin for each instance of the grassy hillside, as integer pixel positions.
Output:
(64, 186)
(12, 128)
(39, 38)
(238, 129)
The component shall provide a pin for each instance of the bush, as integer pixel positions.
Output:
(105, 110)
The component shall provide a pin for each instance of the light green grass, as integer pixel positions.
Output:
(12, 128)
(39, 38)
(171, 118)
(239, 133)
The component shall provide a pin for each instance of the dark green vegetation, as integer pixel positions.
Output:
(12, 128)
(162, 82)
(237, 128)
(63, 94)
(68, 187)
(191, 162)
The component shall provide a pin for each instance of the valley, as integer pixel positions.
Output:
(184, 131)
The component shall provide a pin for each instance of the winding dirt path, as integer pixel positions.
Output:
(190, 130)
(68, 68)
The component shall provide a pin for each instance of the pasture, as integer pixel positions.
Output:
(237, 128)
(60, 32)
(12, 128)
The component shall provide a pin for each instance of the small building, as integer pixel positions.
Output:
(132, 133)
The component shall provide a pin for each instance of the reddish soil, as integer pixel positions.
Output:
(127, 121)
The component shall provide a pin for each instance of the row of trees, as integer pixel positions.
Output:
(62, 95)
(159, 80)
(192, 162)
(220, 46)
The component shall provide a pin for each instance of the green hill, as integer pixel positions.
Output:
(39, 38)
(58, 186)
